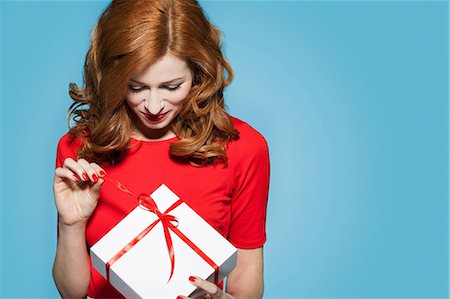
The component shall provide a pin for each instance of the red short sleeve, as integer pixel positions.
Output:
(67, 147)
(250, 195)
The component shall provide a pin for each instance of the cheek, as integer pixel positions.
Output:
(178, 97)
(132, 99)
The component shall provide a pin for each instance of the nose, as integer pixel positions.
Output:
(152, 103)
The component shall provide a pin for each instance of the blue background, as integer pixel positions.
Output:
(351, 97)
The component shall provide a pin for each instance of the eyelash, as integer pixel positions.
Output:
(141, 89)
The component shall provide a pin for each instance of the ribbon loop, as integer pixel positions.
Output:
(148, 202)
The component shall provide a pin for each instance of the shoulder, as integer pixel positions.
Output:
(250, 142)
(69, 141)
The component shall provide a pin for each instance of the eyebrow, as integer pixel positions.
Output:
(167, 82)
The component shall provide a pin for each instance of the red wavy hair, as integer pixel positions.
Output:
(129, 36)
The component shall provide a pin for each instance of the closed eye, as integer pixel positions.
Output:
(136, 90)
(173, 88)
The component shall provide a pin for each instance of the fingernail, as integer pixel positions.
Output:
(191, 278)
(102, 173)
(75, 178)
(94, 178)
(85, 177)
(179, 297)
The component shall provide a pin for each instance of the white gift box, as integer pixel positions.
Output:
(144, 270)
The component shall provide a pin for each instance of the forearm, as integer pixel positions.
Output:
(71, 271)
(246, 281)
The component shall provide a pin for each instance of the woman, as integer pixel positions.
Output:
(152, 111)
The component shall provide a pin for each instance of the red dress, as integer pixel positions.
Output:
(233, 199)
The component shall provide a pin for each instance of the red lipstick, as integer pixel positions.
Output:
(155, 118)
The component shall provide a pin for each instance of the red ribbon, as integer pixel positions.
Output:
(166, 221)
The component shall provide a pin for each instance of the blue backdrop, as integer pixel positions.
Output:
(351, 97)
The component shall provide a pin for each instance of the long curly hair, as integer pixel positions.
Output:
(130, 35)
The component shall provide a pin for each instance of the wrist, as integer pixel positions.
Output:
(76, 227)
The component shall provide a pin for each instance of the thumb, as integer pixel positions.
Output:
(97, 186)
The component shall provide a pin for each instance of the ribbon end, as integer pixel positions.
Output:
(171, 274)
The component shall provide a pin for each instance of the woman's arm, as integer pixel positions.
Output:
(76, 190)
(247, 280)
(244, 282)
(71, 271)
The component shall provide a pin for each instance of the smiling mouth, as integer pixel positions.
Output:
(155, 117)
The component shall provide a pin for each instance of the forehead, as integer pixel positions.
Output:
(165, 69)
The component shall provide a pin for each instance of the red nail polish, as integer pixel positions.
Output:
(102, 173)
(85, 177)
(75, 178)
(191, 278)
(94, 178)
(179, 297)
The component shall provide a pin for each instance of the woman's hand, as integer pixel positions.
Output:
(76, 188)
(212, 291)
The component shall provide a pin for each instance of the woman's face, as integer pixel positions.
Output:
(156, 95)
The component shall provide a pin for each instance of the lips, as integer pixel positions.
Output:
(155, 117)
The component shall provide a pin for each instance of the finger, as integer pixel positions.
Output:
(208, 286)
(91, 173)
(64, 173)
(100, 171)
(76, 167)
